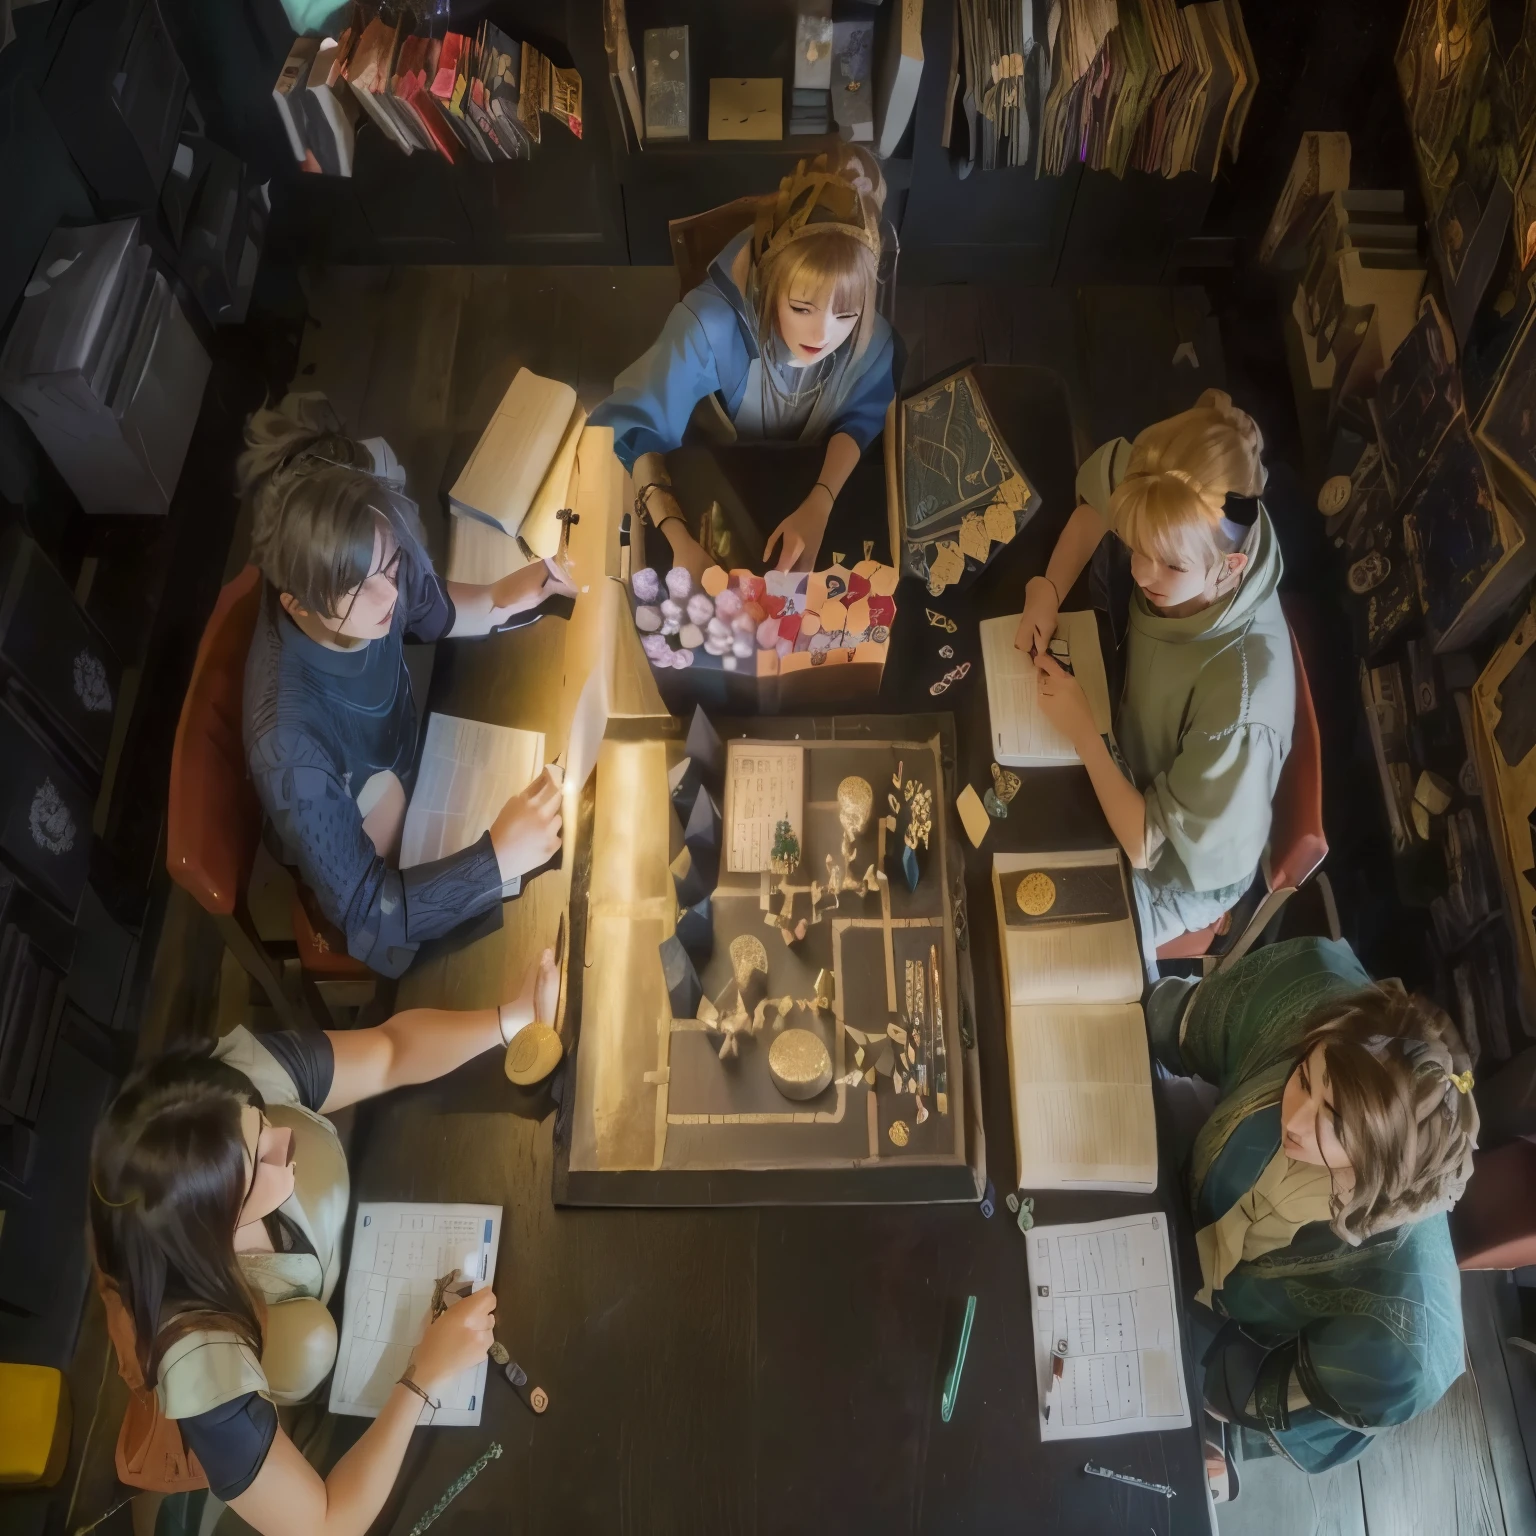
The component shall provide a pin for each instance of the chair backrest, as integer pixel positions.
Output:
(214, 822)
(699, 238)
(1297, 844)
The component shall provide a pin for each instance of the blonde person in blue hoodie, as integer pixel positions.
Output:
(1204, 723)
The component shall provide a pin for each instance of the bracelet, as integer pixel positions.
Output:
(434, 1403)
(643, 500)
(671, 517)
(831, 494)
(1051, 584)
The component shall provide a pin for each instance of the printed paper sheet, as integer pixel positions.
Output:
(398, 1251)
(765, 784)
(1104, 1291)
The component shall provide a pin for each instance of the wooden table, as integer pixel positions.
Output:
(775, 1369)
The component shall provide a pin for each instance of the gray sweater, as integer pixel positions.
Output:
(319, 724)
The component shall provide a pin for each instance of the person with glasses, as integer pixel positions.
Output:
(218, 1212)
(330, 722)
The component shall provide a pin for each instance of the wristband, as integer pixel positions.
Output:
(1051, 584)
(831, 494)
(434, 1403)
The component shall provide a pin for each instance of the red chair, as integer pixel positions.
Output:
(213, 826)
(1297, 846)
(1491, 1225)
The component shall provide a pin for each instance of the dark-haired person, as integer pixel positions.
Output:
(330, 721)
(1330, 1302)
(219, 1199)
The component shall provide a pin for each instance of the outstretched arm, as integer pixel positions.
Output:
(799, 536)
(425, 1043)
(1043, 595)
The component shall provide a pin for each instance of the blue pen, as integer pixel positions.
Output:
(485, 1251)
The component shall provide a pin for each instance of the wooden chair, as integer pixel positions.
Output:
(1297, 846)
(213, 826)
(1493, 1225)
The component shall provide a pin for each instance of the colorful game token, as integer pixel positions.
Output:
(1036, 894)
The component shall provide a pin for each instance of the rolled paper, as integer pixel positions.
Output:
(768, 634)
(691, 636)
(646, 585)
(718, 627)
(714, 580)
(679, 582)
(700, 609)
(647, 619)
(656, 649)
(681, 659)
(743, 646)
(716, 645)
(728, 603)
(729, 663)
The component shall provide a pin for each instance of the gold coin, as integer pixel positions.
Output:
(855, 800)
(534, 1053)
(1036, 894)
(747, 955)
(900, 1133)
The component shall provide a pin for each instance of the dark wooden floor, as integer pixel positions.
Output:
(421, 355)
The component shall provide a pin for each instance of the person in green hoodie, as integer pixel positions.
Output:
(1205, 718)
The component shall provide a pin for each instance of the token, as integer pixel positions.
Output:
(498, 1352)
(1005, 782)
(1333, 497)
(900, 1133)
(1036, 894)
(538, 1399)
(1368, 572)
(995, 807)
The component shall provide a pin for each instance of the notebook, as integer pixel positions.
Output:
(1022, 737)
(1078, 1065)
(764, 785)
(519, 475)
(469, 770)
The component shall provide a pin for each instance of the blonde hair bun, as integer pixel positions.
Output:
(1220, 445)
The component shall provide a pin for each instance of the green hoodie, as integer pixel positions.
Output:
(1206, 716)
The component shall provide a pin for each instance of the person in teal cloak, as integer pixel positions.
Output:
(1205, 718)
(1330, 1302)
(780, 343)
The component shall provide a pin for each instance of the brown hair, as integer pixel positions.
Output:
(168, 1181)
(846, 194)
(302, 432)
(1400, 1080)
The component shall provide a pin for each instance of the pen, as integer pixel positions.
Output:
(1058, 1365)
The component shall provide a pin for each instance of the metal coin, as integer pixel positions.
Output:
(1036, 894)
(900, 1133)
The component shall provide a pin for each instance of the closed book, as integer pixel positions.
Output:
(443, 88)
(900, 71)
(368, 72)
(853, 48)
(666, 83)
(413, 87)
(328, 99)
(290, 108)
(813, 51)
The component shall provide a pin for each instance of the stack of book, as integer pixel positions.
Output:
(1117, 85)
(810, 102)
(482, 94)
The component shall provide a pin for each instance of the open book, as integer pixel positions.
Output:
(1021, 735)
(1078, 1062)
(764, 785)
(519, 475)
(469, 770)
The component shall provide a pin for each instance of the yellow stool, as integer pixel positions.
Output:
(34, 1425)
